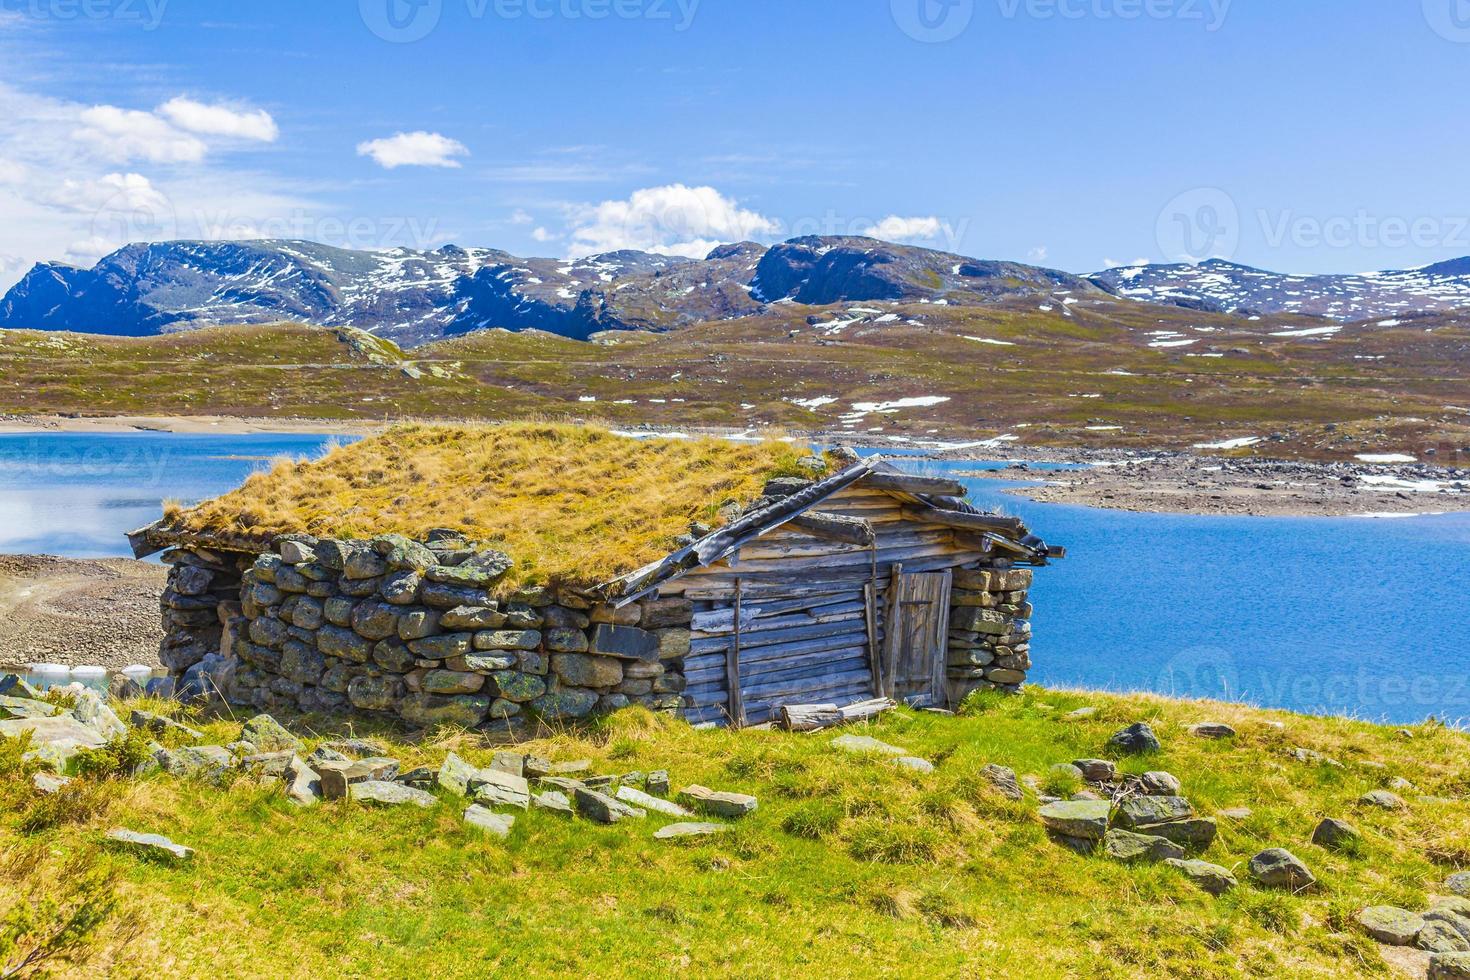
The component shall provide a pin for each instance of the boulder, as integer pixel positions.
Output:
(1087, 819)
(1209, 877)
(150, 845)
(269, 735)
(498, 824)
(492, 787)
(602, 808)
(1279, 868)
(704, 800)
(1129, 847)
(1135, 739)
(1391, 926)
(1449, 966)
(1160, 784)
(1333, 834)
(1139, 811)
(1458, 884)
(583, 670)
(1096, 770)
(1004, 780)
(675, 831)
(1383, 799)
(391, 794)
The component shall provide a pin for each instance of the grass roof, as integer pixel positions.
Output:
(571, 504)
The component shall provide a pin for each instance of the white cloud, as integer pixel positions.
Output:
(121, 135)
(542, 235)
(670, 220)
(220, 120)
(1115, 264)
(521, 217)
(1038, 254)
(418, 149)
(115, 192)
(896, 229)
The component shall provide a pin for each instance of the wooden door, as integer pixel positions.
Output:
(917, 636)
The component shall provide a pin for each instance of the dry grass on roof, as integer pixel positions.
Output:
(571, 504)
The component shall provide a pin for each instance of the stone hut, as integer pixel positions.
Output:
(499, 574)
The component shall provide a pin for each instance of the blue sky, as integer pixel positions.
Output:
(1309, 136)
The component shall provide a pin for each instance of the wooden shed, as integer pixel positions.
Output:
(499, 574)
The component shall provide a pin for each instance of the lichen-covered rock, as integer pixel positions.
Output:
(1139, 811)
(425, 710)
(1197, 833)
(452, 682)
(404, 554)
(1458, 884)
(1449, 966)
(1391, 926)
(564, 704)
(1136, 738)
(472, 618)
(374, 693)
(361, 563)
(498, 824)
(508, 640)
(1003, 780)
(391, 794)
(401, 588)
(337, 641)
(601, 808)
(268, 735)
(564, 639)
(512, 685)
(1279, 868)
(375, 620)
(442, 595)
(1121, 845)
(584, 670)
(393, 656)
(1160, 784)
(1209, 877)
(1383, 800)
(701, 799)
(1333, 834)
(1087, 819)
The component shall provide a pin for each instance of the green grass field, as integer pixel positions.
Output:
(850, 867)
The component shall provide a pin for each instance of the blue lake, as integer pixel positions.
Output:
(1348, 616)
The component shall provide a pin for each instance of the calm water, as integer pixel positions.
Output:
(1351, 616)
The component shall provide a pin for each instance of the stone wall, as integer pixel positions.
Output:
(200, 601)
(416, 630)
(989, 629)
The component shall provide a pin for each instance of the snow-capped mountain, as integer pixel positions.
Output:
(413, 297)
(1225, 287)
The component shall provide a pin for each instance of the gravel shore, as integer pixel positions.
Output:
(59, 610)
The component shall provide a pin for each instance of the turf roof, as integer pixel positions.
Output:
(571, 504)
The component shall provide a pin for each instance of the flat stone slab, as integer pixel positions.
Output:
(1391, 926)
(58, 738)
(1209, 877)
(554, 801)
(48, 784)
(642, 800)
(675, 831)
(864, 743)
(1141, 811)
(494, 787)
(1087, 819)
(702, 799)
(489, 821)
(390, 794)
(601, 808)
(1212, 729)
(26, 708)
(1121, 845)
(151, 844)
(915, 763)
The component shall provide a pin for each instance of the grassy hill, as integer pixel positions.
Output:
(1097, 371)
(851, 866)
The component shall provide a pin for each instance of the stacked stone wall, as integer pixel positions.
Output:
(418, 630)
(989, 629)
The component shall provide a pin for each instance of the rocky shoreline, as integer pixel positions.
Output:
(75, 612)
(1184, 483)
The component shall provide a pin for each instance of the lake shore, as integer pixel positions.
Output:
(223, 425)
(1183, 483)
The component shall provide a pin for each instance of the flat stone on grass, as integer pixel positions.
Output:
(492, 787)
(1210, 877)
(554, 801)
(1122, 845)
(701, 799)
(1333, 834)
(1087, 819)
(601, 808)
(489, 821)
(914, 763)
(677, 831)
(1383, 799)
(46, 783)
(864, 744)
(150, 845)
(390, 794)
(1279, 868)
(1391, 926)
(1140, 811)
(645, 801)
(1449, 966)
(269, 735)
(1212, 729)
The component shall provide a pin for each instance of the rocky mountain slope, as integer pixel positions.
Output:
(414, 297)
(1218, 286)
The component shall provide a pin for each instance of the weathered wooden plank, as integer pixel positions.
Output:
(826, 645)
(732, 667)
(791, 634)
(750, 626)
(813, 717)
(973, 522)
(834, 527)
(860, 557)
(903, 536)
(908, 483)
(761, 590)
(841, 659)
(718, 577)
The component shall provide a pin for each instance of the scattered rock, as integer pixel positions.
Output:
(601, 808)
(159, 725)
(1096, 770)
(93, 712)
(645, 801)
(357, 748)
(679, 830)
(1160, 784)
(1065, 772)
(1314, 757)
(1139, 811)
(704, 800)
(1391, 926)
(1086, 819)
(493, 787)
(1212, 729)
(324, 754)
(1459, 884)
(391, 794)
(1198, 833)
(1449, 966)
(914, 763)
(213, 763)
(1441, 936)
(863, 743)
(1135, 739)
(1004, 781)
(46, 783)
(153, 845)
(338, 777)
(1279, 868)
(657, 782)
(269, 735)
(553, 800)
(1236, 813)
(455, 775)
(1129, 847)
(26, 708)
(1080, 714)
(1209, 877)
(1333, 834)
(489, 821)
(303, 785)
(1383, 799)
